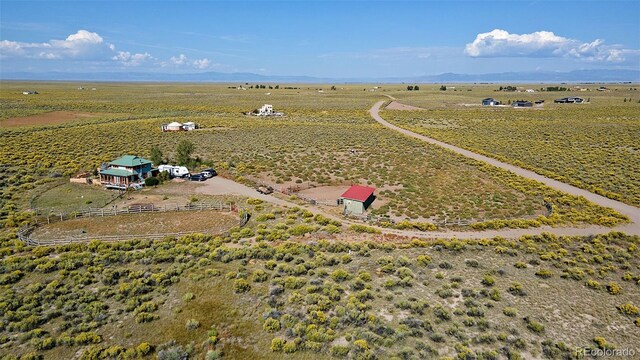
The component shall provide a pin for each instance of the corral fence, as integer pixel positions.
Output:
(24, 233)
(49, 217)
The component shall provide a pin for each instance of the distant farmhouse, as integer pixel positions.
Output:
(126, 171)
(490, 102)
(569, 100)
(357, 199)
(176, 126)
(265, 110)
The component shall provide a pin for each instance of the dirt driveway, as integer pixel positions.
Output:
(221, 186)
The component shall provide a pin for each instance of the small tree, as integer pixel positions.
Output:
(410, 87)
(416, 88)
(183, 152)
(443, 88)
(156, 155)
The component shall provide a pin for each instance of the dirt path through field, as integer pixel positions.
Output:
(220, 186)
(631, 211)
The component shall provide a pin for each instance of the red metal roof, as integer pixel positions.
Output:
(359, 193)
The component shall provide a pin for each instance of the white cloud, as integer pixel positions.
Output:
(500, 43)
(129, 59)
(202, 63)
(84, 36)
(81, 45)
(86, 45)
(184, 62)
(180, 60)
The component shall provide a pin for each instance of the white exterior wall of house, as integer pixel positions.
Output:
(266, 110)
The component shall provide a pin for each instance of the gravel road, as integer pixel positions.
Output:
(222, 186)
(631, 211)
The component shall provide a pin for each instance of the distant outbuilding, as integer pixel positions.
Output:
(265, 110)
(521, 104)
(188, 126)
(490, 102)
(569, 100)
(357, 199)
(176, 126)
(173, 126)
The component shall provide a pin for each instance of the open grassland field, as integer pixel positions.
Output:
(325, 138)
(293, 283)
(63, 197)
(534, 297)
(593, 146)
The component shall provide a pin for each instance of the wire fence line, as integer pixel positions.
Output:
(25, 236)
(446, 222)
(24, 233)
(49, 217)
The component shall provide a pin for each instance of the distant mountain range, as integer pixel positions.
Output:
(514, 77)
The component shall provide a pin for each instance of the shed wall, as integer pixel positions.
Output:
(353, 206)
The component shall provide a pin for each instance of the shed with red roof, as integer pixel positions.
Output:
(357, 199)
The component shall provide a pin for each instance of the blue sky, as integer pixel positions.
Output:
(325, 39)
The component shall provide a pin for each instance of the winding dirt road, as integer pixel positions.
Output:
(220, 185)
(632, 212)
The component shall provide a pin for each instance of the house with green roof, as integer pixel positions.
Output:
(125, 171)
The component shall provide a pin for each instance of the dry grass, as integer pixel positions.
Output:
(210, 222)
(49, 118)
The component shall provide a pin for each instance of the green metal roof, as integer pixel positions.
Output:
(116, 172)
(129, 161)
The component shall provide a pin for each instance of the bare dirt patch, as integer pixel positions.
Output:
(50, 118)
(331, 193)
(210, 222)
(394, 105)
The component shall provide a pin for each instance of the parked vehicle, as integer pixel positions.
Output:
(209, 173)
(175, 171)
(265, 190)
(197, 177)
